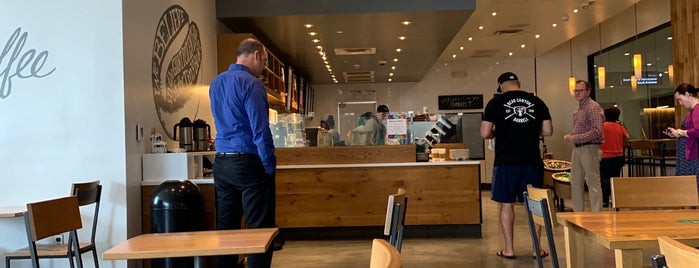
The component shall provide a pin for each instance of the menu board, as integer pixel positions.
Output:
(460, 102)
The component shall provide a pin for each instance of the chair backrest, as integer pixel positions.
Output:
(51, 217)
(539, 194)
(89, 193)
(383, 255)
(395, 217)
(678, 255)
(540, 211)
(655, 192)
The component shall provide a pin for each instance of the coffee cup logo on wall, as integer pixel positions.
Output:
(15, 62)
(181, 67)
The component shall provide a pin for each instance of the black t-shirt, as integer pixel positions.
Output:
(517, 116)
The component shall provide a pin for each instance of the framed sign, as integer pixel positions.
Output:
(460, 102)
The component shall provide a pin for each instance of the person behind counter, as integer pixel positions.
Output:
(244, 169)
(381, 113)
(329, 125)
(363, 134)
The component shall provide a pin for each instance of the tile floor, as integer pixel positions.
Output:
(442, 252)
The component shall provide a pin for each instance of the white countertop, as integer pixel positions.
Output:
(362, 165)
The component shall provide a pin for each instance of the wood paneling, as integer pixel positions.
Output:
(335, 197)
(345, 155)
(685, 49)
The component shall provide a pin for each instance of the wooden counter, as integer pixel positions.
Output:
(316, 189)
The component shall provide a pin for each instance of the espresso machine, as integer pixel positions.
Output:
(202, 134)
(186, 134)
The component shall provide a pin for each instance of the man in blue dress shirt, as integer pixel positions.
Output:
(244, 170)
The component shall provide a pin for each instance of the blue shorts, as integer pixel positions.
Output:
(510, 182)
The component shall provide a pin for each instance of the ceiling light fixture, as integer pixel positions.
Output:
(554, 25)
(480, 27)
(470, 39)
(495, 13)
(308, 26)
(312, 33)
(523, 45)
(461, 48)
(398, 50)
(537, 36)
(601, 71)
(315, 40)
(637, 58)
(571, 79)
(401, 38)
(395, 60)
(393, 67)
(406, 23)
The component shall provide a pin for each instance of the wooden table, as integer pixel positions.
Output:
(193, 244)
(12, 211)
(625, 232)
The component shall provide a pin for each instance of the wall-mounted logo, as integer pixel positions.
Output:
(15, 62)
(181, 67)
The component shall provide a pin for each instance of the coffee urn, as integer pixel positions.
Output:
(202, 134)
(186, 133)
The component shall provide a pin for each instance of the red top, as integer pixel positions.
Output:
(613, 144)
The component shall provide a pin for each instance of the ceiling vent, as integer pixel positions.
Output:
(506, 32)
(359, 77)
(355, 51)
(485, 53)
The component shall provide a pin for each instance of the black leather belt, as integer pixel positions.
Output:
(231, 154)
(586, 143)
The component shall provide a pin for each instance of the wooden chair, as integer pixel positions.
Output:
(384, 255)
(48, 218)
(654, 192)
(395, 218)
(88, 193)
(677, 254)
(541, 212)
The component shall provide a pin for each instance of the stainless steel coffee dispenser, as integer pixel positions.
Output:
(202, 134)
(186, 133)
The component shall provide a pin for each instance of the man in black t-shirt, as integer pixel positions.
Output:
(515, 119)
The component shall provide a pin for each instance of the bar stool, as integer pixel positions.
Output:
(641, 155)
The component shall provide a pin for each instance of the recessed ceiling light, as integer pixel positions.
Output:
(325, 61)
(312, 33)
(461, 48)
(395, 60)
(393, 67)
(611, 86)
(649, 64)
(627, 53)
(319, 47)
(401, 38)
(390, 74)
(537, 36)
(398, 50)
(324, 58)
(480, 27)
(510, 54)
(554, 25)
(523, 45)
(470, 38)
(389, 80)
(495, 13)
(669, 38)
(321, 53)
(575, 10)
(453, 56)
(308, 25)
(316, 40)
(339, 32)
(407, 22)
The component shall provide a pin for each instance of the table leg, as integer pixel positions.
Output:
(575, 250)
(198, 262)
(628, 258)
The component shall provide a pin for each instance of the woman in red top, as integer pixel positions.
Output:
(612, 151)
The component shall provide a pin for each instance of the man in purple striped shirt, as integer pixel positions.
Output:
(587, 135)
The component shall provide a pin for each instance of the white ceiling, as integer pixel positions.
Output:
(434, 36)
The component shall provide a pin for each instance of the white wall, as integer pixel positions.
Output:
(69, 125)
(141, 20)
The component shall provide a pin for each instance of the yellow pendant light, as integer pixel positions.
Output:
(634, 83)
(601, 76)
(637, 63)
(571, 79)
(671, 74)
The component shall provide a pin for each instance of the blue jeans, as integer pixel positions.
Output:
(243, 187)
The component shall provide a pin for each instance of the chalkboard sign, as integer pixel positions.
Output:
(460, 102)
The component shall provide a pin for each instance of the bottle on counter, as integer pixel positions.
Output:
(420, 151)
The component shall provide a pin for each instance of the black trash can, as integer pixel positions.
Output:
(178, 206)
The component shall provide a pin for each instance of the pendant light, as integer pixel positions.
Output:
(571, 79)
(637, 58)
(601, 71)
(671, 74)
